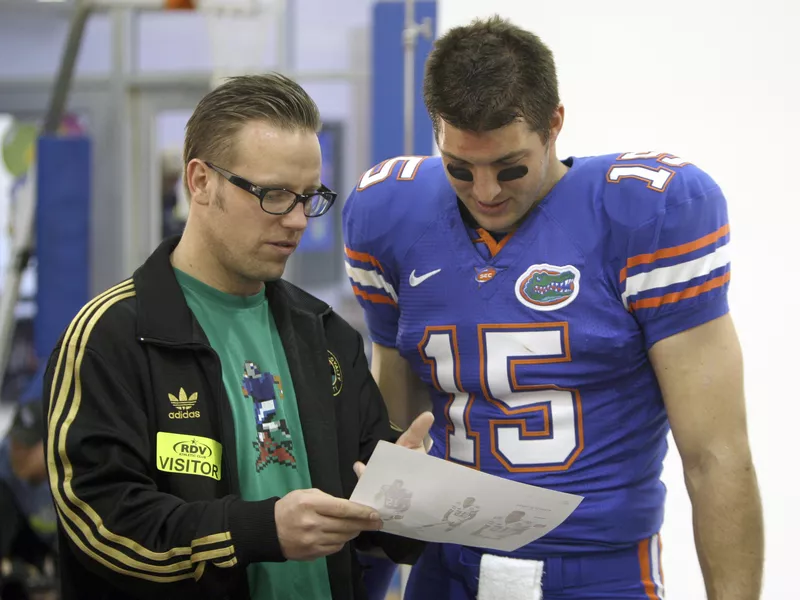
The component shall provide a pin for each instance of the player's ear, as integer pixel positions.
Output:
(556, 122)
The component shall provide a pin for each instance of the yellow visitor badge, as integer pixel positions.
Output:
(188, 454)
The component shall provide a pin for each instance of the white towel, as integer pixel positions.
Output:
(504, 578)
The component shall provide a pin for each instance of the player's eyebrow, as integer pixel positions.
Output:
(505, 158)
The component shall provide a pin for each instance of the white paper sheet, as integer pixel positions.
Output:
(427, 498)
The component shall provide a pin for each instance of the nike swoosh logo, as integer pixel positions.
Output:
(414, 281)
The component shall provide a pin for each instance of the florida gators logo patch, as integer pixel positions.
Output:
(547, 287)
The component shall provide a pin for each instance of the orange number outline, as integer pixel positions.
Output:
(519, 415)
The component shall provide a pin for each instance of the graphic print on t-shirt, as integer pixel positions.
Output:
(274, 443)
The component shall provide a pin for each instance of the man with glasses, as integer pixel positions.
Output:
(206, 420)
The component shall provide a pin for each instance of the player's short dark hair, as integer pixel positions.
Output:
(485, 75)
(220, 115)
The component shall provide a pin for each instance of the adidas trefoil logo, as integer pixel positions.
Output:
(184, 405)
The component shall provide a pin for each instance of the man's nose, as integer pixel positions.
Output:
(485, 186)
(295, 219)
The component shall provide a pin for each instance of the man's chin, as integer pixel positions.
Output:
(504, 224)
(272, 273)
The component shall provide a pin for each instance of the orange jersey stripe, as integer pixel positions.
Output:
(374, 298)
(643, 259)
(362, 257)
(682, 295)
(493, 246)
(644, 567)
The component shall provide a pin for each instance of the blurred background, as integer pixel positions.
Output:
(91, 134)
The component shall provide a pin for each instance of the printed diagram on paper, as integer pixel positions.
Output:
(427, 498)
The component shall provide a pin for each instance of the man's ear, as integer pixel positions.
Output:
(198, 180)
(556, 122)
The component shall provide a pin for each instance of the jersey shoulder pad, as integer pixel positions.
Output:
(399, 172)
(669, 251)
(642, 186)
(396, 199)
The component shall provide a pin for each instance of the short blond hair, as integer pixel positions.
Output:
(220, 115)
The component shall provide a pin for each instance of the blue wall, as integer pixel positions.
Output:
(387, 81)
(64, 191)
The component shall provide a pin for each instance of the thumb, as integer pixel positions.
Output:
(359, 469)
(414, 436)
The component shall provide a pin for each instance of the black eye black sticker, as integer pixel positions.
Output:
(509, 174)
(512, 173)
(459, 173)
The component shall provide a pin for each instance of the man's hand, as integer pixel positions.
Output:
(413, 438)
(312, 524)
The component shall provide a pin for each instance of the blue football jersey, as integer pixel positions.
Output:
(535, 347)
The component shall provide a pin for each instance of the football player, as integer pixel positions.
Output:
(460, 513)
(456, 515)
(561, 315)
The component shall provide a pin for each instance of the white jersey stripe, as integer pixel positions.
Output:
(680, 273)
(370, 278)
(655, 566)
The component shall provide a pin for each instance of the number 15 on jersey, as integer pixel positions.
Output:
(508, 359)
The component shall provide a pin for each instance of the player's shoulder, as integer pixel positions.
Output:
(636, 187)
(401, 172)
(398, 189)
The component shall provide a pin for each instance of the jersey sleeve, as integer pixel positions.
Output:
(675, 269)
(369, 260)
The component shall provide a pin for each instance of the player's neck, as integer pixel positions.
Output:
(555, 174)
(559, 170)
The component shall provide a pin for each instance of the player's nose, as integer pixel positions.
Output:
(485, 186)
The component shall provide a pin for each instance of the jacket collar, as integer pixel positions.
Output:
(164, 315)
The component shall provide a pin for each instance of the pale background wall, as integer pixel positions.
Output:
(715, 82)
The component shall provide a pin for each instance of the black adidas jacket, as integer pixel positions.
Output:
(141, 453)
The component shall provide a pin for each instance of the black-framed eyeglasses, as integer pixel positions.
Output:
(278, 201)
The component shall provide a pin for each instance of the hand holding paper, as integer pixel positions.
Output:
(413, 438)
(311, 524)
(427, 498)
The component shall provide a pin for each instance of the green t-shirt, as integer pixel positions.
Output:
(271, 452)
